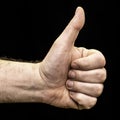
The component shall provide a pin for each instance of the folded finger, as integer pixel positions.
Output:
(93, 76)
(83, 100)
(90, 89)
(92, 61)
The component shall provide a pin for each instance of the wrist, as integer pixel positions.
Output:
(20, 82)
(42, 93)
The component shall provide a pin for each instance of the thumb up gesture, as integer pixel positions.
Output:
(72, 76)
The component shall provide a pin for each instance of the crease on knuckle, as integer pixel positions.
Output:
(91, 103)
(99, 90)
(102, 59)
(101, 75)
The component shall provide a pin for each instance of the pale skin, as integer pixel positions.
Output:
(68, 77)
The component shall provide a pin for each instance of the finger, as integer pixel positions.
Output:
(90, 89)
(94, 60)
(83, 100)
(91, 76)
(70, 33)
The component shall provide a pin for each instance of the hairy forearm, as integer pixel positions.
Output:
(19, 82)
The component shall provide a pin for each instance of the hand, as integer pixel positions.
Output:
(72, 77)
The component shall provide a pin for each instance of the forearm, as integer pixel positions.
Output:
(19, 82)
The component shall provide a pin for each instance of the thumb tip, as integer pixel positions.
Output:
(79, 9)
(80, 15)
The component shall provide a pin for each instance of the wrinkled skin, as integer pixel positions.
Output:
(62, 87)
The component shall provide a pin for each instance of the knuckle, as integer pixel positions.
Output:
(101, 75)
(104, 74)
(102, 59)
(91, 103)
(99, 89)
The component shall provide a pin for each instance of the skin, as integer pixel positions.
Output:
(68, 77)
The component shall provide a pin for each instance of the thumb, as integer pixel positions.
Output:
(70, 33)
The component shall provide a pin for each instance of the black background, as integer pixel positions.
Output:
(28, 29)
